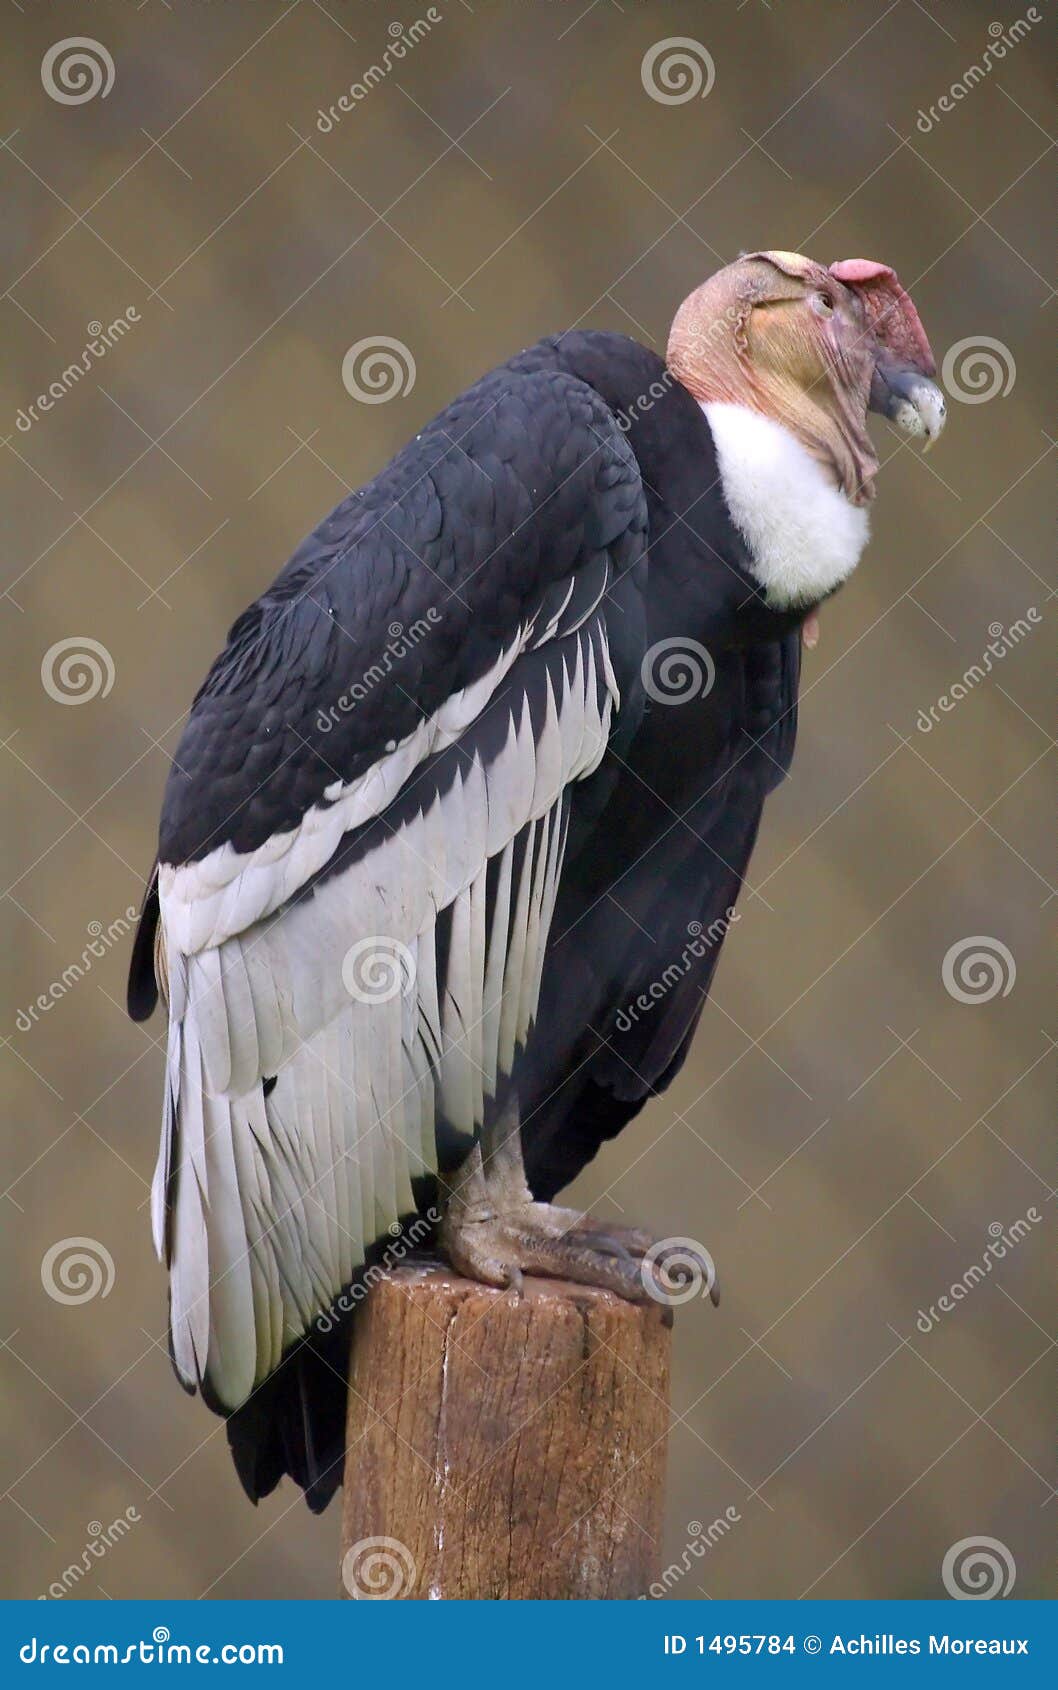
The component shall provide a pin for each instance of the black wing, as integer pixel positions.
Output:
(361, 844)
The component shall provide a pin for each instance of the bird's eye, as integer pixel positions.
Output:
(822, 303)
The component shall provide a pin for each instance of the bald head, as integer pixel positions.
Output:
(803, 344)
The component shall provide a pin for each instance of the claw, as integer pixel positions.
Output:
(683, 1270)
(608, 1244)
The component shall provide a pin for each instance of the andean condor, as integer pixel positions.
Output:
(431, 826)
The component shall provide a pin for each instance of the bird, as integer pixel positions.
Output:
(458, 820)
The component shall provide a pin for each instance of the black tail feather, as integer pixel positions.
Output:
(295, 1423)
(142, 999)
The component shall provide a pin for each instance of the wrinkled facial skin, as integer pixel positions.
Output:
(808, 354)
(854, 325)
(816, 333)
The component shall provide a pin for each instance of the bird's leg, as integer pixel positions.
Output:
(494, 1231)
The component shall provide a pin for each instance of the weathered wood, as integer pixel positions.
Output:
(503, 1448)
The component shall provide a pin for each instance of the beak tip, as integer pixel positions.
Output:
(920, 412)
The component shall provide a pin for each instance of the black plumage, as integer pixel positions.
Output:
(574, 491)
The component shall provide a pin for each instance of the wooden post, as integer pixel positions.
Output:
(503, 1449)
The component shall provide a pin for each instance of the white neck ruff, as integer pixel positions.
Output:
(804, 536)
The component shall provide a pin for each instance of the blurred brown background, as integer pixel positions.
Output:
(846, 1131)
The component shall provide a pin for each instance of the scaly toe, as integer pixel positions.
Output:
(541, 1238)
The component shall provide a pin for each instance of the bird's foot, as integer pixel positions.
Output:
(500, 1244)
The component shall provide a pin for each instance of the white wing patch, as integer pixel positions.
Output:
(264, 1207)
(208, 901)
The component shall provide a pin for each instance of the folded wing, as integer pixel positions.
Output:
(354, 917)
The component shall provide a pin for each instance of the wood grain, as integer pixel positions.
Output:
(506, 1449)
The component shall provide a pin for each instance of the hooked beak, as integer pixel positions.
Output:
(902, 388)
(910, 400)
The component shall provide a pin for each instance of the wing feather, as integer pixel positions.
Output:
(392, 992)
